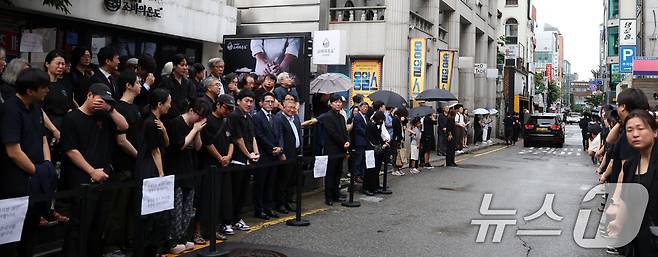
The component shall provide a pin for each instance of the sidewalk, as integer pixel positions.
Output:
(313, 202)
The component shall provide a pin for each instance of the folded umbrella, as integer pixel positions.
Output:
(436, 94)
(420, 111)
(389, 98)
(329, 83)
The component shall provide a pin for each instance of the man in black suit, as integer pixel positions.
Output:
(360, 122)
(336, 142)
(108, 60)
(288, 127)
(267, 139)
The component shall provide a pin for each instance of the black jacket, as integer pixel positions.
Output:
(266, 136)
(286, 135)
(374, 135)
(335, 133)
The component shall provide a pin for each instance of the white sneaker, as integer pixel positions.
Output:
(459, 151)
(228, 230)
(414, 171)
(242, 226)
(489, 141)
(179, 248)
(189, 246)
(397, 173)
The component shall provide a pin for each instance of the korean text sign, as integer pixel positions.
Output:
(417, 49)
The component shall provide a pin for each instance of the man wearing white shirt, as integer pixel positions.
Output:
(288, 127)
(461, 127)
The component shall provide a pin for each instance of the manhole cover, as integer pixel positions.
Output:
(241, 252)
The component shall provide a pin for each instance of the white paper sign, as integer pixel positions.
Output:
(480, 68)
(31, 42)
(96, 44)
(370, 159)
(12, 216)
(157, 194)
(320, 167)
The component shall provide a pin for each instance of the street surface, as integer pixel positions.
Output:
(430, 213)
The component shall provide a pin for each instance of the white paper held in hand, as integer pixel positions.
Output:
(320, 166)
(157, 194)
(370, 159)
(12, 217)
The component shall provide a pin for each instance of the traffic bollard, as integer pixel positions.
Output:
(298, 221)
(212, 248)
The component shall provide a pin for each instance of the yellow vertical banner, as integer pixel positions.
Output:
(517, 104)
(366, 76)
(417, 51)
(446, 59)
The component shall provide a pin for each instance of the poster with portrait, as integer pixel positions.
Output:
(270, 54)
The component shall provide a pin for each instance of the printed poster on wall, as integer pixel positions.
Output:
(418, 48)
(446, 58)
(366, 76)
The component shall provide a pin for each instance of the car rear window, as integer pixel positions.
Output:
(543, 120)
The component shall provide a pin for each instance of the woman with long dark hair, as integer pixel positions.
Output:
(452, 139)
(641, 132)
(377, 144)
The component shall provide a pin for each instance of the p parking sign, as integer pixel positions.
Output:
(626, 55)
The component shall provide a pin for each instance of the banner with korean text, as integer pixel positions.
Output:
(417, 50)
(366, 76)
(446, 58)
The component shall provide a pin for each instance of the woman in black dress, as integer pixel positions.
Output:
(149, 165)
(452, 139)
(641, 168)
(373, 133)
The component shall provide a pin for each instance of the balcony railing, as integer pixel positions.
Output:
(420, 23)
(358, 14)
(443, 34)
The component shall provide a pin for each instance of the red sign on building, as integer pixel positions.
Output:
(549, 72)
(10, 41)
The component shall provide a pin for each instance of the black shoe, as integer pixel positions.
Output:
(261, 215)
(282, 210)
(368, 193)
(271, 214)
(329, 202)
(289, 207)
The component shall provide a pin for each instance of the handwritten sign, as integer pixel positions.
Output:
(31, 42)
(12, 216)
(370, 159)
(320, 167)
(157, 194)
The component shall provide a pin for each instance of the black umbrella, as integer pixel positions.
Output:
(420, 111)
(436, 94)
(390, 99)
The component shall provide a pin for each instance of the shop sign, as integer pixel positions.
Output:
(136, 7)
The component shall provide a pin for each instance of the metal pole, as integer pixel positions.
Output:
(350, 202)
(212, 220)
(298, 221)
(389, 153)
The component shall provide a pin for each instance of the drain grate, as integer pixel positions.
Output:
(242, 252)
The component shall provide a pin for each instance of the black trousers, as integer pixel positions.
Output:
(450, 152)
(25, 247)
(95, 217)
(239, 183)
(285, 183)
(223, 199)
(120, 224)
(332, 179)
(264, 181)
(371, 178)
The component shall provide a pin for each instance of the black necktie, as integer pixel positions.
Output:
(269, 118)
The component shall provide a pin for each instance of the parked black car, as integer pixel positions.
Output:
(544, 128)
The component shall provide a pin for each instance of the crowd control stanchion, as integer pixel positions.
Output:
(350, 202)
(298, 221)
(212, 251)
(385, 191)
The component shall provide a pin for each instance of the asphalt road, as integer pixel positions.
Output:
(430, 213)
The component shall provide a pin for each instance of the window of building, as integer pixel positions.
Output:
(613, 9)
(613, 41)
(511, 31)
(511, 2)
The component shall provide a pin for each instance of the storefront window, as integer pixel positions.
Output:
(613, 41)
(613, 9)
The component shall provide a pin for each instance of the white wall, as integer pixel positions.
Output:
(207, 20)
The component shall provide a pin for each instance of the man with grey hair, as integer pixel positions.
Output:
(286, 87)
(7, 85)
(213, 89)
(216, 69)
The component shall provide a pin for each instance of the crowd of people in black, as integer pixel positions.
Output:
(71, 123)
(621, 141)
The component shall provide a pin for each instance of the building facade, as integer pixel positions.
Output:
(135, 28)
(518, 31)
(580, 90)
